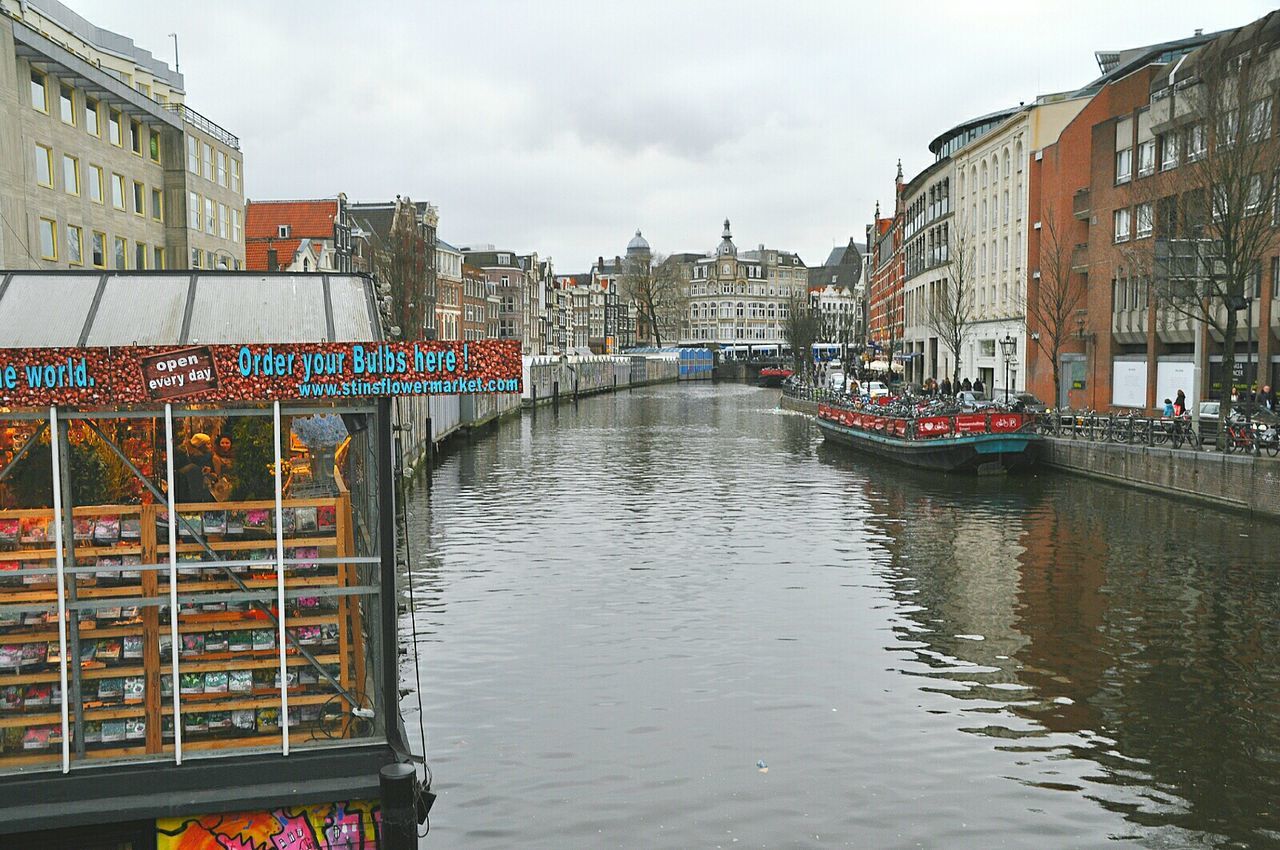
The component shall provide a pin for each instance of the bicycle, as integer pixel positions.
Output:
(1184, 432)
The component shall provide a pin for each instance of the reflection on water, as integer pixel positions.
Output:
(633, 601)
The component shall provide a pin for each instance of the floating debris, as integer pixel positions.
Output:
(762, 767)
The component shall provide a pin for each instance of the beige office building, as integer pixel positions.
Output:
(102, 165)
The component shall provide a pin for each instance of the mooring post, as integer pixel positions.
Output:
(399, 818)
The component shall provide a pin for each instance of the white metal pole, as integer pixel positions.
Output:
(282, 638)
(62, 590)
(174, 641)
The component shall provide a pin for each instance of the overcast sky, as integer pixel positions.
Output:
(560, 126)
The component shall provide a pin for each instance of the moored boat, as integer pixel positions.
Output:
(773, 376)
(982, 441)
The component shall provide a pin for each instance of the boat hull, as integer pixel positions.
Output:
(981, 453)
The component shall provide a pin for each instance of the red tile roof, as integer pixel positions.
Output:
(313, 219)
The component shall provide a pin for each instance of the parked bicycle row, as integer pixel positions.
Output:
(1241, 434)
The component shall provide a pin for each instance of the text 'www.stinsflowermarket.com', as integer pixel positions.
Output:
(392, 386)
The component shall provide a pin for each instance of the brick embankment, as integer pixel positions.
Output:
(1239, 482)
(788, 403)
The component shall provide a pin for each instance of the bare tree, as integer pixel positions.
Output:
(1054, 299)
(400, 262)
(948, 307)
(658, 291)
(801, 328)
(1214, 212)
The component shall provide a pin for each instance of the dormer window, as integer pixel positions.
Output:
(283, 231)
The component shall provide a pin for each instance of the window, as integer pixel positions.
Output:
(1194, 142)
(154, 146)
(222, 168)
(1124, 165)
(1122, 225)
(67, 105)
(120, 253)
(98, 246)
(157, 257)
(144, 88)
(113, 127)
(140, 254)
(157, 205)
(1260, 119)
(986, 348)
(193, 211)
(48, 239)
(210, 222)
(117, 191)
(208, 161)
(1253, 200)
(222, 221)
(75, 245)
(1147, 157)
(70, 175)
(1168, 151)
(195, 258)
(1275, 277)
(39, 92)
(44, 166)
(95, 183)
(92, 117)
(1143, 215)
(235, 224)
(135, 137)
(1228, 127)
(139, 198)
(193, 155)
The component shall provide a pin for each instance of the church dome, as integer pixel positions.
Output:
(638, 244)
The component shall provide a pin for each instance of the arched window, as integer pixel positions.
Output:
(1007, 170)
(306, 264)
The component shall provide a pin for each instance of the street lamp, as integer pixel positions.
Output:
(1007, 346)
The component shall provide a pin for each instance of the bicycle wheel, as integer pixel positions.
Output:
(1193, 439)
(1177, 437)
(1272, 448)
(1161, 433)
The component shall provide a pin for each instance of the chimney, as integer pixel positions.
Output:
(1199, 31)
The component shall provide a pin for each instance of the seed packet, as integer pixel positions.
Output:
(11, 698)
(82, 529)
(131, 528)
(192, 525)
(166, 646)
(55, 694)
(240, 642)
(240, 682)
(108, 571)
(264, 639)
(35, 530)
(34, 654)
(110, 649)
(88, 651)
(107, 615)
(305, 565)
(262, 679)
(329, 634)
(37, 695)
(219, 720)
(309, 713)
(93, 732)
(10, 529)
(11, 655)
(190, 558)
(215, 682)
(110, 690)
(191, 683)
(195, 723)
(235, 522)
(37, 737)
(34, 618)
(112, 730)
(213, 608)
(242, 719)
(29, 576)
(306, 520)
(289, 519)
(166, 727)
(215, 522)
(135, 728)
(134, 688)
(166, 686)
(131, 646)
(292, 679)
(308, 603)
(307, 635)
(131, 561)
(106, 531)
(215, 642)
(268, 719)
(326, 518)
(10, 619)
(307, 676)
(192, 645)
(257, 520)
(9, 576)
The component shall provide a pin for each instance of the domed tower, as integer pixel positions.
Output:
(727, 248)
(638, 246)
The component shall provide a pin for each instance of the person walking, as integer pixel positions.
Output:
(946, 387)
(1168, 407)
(1267, 398)
(1180, 404)
(977, 385)
(968, 385)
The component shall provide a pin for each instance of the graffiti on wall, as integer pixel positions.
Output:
(351, 825)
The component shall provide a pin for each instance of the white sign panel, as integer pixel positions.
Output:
(1171, 377)
(1129, 383)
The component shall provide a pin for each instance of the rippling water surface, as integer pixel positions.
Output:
(625, 606)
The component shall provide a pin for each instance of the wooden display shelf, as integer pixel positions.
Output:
(115, 712)
(87, 673)
(79, 551)
(241, 545)
(245, 703)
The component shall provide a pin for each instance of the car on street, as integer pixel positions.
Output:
(1022, 401)
(875, 389)
(970, 400)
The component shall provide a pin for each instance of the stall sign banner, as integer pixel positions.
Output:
(932, 426)
(972, 423)
(1005, 423)
(325, 371)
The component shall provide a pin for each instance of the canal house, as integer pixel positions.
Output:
(197, 568)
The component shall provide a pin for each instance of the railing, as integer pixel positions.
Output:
(1178, 432)
(807, 392)
(1081, 207)
(1080, 258)
(204, 124)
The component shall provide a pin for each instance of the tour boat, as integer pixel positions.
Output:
(773, 376)
(982, 441)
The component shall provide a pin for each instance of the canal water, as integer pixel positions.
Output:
(626, 607)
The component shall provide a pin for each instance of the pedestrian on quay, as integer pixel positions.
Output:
(977, 385)
(967, 385)
(946, 387)
(1267, 398)
(1180, 404)
(1168, 407)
